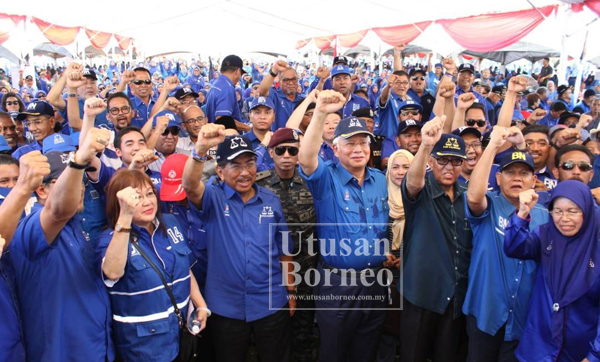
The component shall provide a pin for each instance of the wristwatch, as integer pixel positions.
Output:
(72, 95)
(272, 73)
(121, 229)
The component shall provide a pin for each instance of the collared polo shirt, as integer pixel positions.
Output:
(35, 146)
(386, 124)
(355, 102)
(246, 241)
(352, 218)
(547, 178)
(327, 153)
(283, 107)
(221, 101)
(499, 287)
(142, 111)
(437, 247)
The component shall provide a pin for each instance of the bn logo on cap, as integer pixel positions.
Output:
(519, 156)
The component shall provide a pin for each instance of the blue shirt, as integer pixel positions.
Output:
(352, 212)
(66, 310)
(246, 240)
(106, 173)
(499, 287)
(142, 111)
(548, 120)
(547, 178)
(355, 102)
(580, 338)
(432, 82)
(389, 146)
(11, 333)
(222, 101)
(492, 183)
(480, 99)
(327, 153)
(386, 124)
(283, 107)
(100, 121)
(596, 179)
(35, 146)
(145, 325)
(266, 157)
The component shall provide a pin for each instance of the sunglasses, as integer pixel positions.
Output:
(12, 103)
(414, 112)
(280, 150)
(140, 82)
(417, 78)
(478, 122)
(172, 130)
(582, 165)
(443, 161)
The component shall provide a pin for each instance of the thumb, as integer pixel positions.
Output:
(443, 119)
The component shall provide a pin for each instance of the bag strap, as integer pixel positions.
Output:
(133, 239)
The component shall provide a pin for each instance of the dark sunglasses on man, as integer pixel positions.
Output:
(173, 130)
(406, 112)
(415, 78)
(582, 165)
(473, 122)
(280, 150)
(140, 82)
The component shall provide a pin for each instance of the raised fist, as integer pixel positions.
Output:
(94, 106)
(527, 200)
(329, 101)
(33, 167)
(448, 64)
(129, 199)
(432, 131)
(399, 48)
(323, 72)
(171, 83)
(210, 135)
(127, 76)
(499, 136)
(279, 66)
(446, 89)
(465, 101)
(142, 159)
(95, 142)
(517, 84)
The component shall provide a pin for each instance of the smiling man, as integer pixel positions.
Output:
(39, 119)
(538, 146)
(9, 130)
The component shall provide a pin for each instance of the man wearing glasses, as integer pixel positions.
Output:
(187, 97)
(39, 119)
(419, 93)
(286, 97)
(437, 248)
(166, 133)
(193, 120)
(392, 96)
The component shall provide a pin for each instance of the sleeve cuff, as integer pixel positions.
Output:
(108, 282)
(223, 113)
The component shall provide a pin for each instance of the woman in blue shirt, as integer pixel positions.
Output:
(563, 321)
(146, 327)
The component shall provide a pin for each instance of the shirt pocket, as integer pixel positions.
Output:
(351, 219)
(153, 328)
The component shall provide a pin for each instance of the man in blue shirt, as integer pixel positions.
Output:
(388, 105)
(341, 82)
(352, 211)
(551, 119)
(286, 97)
(564, 93)
(39, 119)
(262, 115)
(500, 287)
(66, 311)
(322, 80)
(464, 85)
(585, 106)
(538, 146)
(420, 94)
(248, 254)
(30, 171)
(221, 100)
(437, 248)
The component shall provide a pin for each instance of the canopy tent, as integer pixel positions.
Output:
(519, 50)
(7, 54)
(92, 52)
(410, 50)
(51, 50)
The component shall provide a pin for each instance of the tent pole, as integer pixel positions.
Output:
(562, 69)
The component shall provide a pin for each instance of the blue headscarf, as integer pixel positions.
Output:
(203, 91)
(373, 95)
(569, 261)
(196, 81)
(239, 91)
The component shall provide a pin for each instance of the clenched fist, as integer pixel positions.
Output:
(527, 200)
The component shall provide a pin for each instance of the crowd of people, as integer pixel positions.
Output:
(294, 212)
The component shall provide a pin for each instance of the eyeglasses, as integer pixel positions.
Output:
(443, 161)
(406, 112)
(582, 165)
(475, 145)
(571, 213)
(403, 82)
(289, 80)
(280, 150)
(417, 78)
(12, 103)
(198, 119)
(34, 122)
(115, 110)
(173, 130)
(189, 102)
(140, 82)
(236, 167)
(473, 122)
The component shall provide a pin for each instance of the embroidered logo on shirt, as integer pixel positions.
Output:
(134, 251)
(226, 211)
(346, 195)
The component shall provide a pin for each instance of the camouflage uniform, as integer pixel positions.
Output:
(298, 208)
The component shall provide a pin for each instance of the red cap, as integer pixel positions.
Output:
(172, 174)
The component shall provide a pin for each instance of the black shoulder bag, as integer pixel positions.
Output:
(187, 342)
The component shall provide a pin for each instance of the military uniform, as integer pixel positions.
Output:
(298, 208)
(376, 148)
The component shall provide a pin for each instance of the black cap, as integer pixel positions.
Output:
(461, 131)
(182, 92)
(404, 125)
(233, 61)
(351, 126)
(449, 145)
(415, 71)
(563, 88)
(364, 112)
(37, 108)
(340, 59)
(516, 157)
(29, 77)
(89, 73)
(467, 68)
(499, 89)
(566, 115)
(589, 93)
(232, 147)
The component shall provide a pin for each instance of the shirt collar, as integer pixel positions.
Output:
(436, 189)
(230, 193)
(346, 176)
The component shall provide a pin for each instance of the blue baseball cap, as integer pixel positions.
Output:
(4, 147)
(516, 157)
(57, 142)
(449, 145)
(463, 130)
(340, 69)
(409, 103)
(261, 101)
(37, 108)
(174, 119)
(351, 126)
